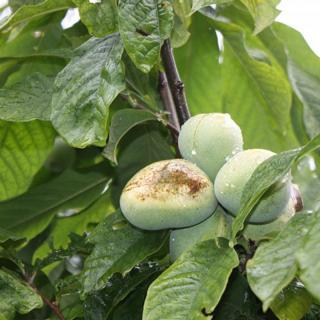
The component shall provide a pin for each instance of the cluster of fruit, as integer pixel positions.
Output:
(191, 195)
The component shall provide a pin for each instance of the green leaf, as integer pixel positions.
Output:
(309, 259)
(100, 17)
(143, 25)
(29, 12)
(122, 122)
(118, 248)
(264, 176)
(221, 82)
(198, 4)
(41, 37)
(78, 224)
(84, 90)
(292, 303)
(265, 73)
(191, 287)
(27, 100)
(274, 264)
(99, 304)
(6, 235)
(68, 194)
(15, 296)
(264, 12)
(23, 149)
(303, 69)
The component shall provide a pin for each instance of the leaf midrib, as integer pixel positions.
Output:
(60, 203)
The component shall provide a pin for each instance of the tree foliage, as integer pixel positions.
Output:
(83, 108)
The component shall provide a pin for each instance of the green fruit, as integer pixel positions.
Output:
(209, 140)
(270, 230)
(233, 176)
(183, 239)
(168, 194)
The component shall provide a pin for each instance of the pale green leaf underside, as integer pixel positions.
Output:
(264, 12)
(84, 90)
(100, 18)
(27, 100)
(23, 149)
(118, 248)
(16, 297)
(29, 12)
(122, 122)
(198, 4)
(193, 284)
(67, 194)
(143, 25)
(303, 69)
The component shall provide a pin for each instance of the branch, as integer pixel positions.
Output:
(175, 83)
(54, 307)
(169, 106)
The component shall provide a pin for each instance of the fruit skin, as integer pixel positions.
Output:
(209, 140)
(183, 239)
(233, 176)
(270, 230)
(168, 194)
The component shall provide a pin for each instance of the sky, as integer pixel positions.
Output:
(303, 15)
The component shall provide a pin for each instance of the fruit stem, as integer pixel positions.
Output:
(175, 83)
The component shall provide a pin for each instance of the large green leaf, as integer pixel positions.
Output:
(143, 25)
(84, 90)
(227, 82)
(303, 69)
(122, 122)
(266, 75)
(66, 195)
(274, 264)
(27, 100)
(309, 259)
(16, 296)
(191, 288)
(29, 12)
(292, 303)
(264, 12)
(118, 248)
(264, 176)
(78, 223)
(41, 37)
(23, 149)
(99, 17)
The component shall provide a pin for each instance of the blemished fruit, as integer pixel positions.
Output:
(184, 239)
(233, 176)
(209, 140)
(168, 194)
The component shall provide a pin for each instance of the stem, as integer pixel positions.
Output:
(141, 106)
(169, 106)
(175, 83)
(54, 308)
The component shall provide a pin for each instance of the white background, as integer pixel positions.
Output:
(303, 15)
